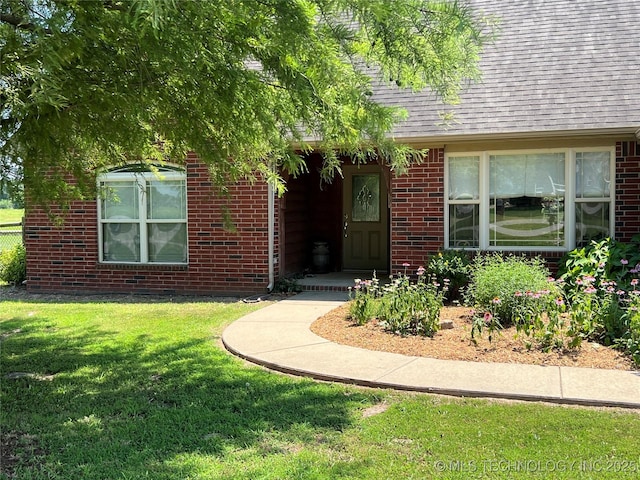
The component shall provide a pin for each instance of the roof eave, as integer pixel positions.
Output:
(621, 133)
(630, 132)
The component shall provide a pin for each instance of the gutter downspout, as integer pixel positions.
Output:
(271, 235)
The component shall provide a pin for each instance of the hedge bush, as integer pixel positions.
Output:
(13, 265)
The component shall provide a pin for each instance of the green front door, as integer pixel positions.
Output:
(365, 219)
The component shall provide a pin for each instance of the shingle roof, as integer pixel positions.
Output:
(558, 66)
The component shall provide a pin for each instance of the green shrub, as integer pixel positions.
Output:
(630, 341)
(287, 285)
(364, 302)
(505, 287)
(411, 308)
(13, 265)
(454, 266)
(605, 260)
(403, 307)
(596, 278)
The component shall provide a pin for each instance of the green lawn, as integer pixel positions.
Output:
(9, 240)
(11, 215)
(143, 389)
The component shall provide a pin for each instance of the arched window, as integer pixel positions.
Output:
(143, 215)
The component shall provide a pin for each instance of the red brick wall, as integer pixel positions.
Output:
(417, 213)
(65, 259)
(627, 190)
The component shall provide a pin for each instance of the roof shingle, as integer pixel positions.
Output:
(557, 66)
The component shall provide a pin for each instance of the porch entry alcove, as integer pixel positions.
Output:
(350, 214)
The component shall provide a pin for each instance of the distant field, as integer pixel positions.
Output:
(8, 240)
(11, 215)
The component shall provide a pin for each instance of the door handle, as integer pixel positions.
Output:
(345, 225)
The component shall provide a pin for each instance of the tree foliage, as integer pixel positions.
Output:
(249, 85)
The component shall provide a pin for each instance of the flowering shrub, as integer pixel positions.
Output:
(489, 321)
(497, 277)
(402, 306)
(600, 284)
(539, 316)
(562, 313)
(411, 308)
(364, 297)
(596, 310)
(630, 341)
(605, 260)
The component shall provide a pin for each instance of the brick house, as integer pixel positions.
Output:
(543, 156)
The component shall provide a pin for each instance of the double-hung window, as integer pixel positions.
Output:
(594, 206)
(143, 216)
(528, 200)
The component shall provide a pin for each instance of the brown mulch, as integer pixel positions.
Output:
(456, 343)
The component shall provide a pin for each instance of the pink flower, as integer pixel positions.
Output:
(559, 301)
(496, 301)
(634, 282)
(420, 271)
(405, 264)
(518, 293)
(487, 317)
(590, 290)
(624, 261)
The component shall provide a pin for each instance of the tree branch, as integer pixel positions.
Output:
(21, 23)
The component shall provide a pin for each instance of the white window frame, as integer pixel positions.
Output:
(570, 197)
(141, 179)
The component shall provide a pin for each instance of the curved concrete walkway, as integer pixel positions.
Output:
(278, 337)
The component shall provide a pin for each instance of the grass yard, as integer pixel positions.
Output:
(143, 389)
(8, 236)
(11, 215)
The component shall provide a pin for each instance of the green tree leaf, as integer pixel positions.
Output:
(248, 85)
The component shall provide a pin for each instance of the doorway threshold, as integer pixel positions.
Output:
(334, 281)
